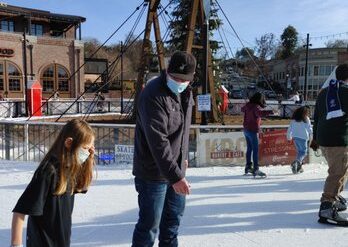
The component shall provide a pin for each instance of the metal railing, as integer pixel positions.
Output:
(30, 141)
(284, 109)
(16, 108)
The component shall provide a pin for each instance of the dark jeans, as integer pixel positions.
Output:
(159, 208)
(252, 148)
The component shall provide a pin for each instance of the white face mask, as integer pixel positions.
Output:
(176, 87)
(83, 155)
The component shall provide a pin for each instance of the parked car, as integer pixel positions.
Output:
(270, 94)
(237, 94)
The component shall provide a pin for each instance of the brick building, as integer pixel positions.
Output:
(53, 47)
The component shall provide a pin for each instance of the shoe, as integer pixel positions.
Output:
(328, 214)
(294, 166)
(258, 173)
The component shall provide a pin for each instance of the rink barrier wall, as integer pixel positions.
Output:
(224, 144)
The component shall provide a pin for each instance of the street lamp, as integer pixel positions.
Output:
(288, 85)
(306, 69)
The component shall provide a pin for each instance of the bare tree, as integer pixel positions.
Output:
(265, 46)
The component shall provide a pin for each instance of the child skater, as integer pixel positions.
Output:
(252, 121)
(300, 130)
(49, 198)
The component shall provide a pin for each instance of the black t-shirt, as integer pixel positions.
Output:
(49, 222)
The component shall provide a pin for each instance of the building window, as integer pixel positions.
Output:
(10, 77)
(2, 75)
(36, 29)
(55, 77)
(322, 70)
(63, 79)
(7, 26)
(316, 70)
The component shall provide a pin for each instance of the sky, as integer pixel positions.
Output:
(323, 20)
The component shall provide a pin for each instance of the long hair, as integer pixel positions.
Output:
(259, 99)
(72, 175)
(301, 114)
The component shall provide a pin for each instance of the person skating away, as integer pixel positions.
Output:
(300, 130)
(49, 198)
(164, 112)
(252, 120)
(330, 132)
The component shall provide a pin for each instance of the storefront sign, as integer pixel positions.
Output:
(5, 52)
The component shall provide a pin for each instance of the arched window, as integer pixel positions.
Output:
(55, 77)
(10, 77)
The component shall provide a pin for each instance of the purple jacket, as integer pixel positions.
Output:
(252, 116)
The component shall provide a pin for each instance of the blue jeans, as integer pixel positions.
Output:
(252, 148)
(160, 207)
(301, 148)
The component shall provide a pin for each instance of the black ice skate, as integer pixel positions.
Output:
(299, 168)
(328, 214)
(341, 204)
(259, 174)
(294, 166)
(248, 169)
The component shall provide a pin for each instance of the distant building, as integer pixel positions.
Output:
(290, 73)
(53, 46)
(96, 75)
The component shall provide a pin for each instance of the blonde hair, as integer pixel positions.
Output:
(72, 175)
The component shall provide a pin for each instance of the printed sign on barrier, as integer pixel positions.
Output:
(221, 148)
(275, 149)
(124, 154)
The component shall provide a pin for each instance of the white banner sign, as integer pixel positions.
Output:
(124, 154)
(221, 148)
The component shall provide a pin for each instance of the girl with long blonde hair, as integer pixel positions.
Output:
(66, 169)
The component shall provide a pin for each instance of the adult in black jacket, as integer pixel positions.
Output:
(330, 132)
(163, 121)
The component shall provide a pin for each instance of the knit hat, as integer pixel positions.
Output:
(182, 65)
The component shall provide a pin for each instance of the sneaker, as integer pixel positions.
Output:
(328, 214)
(258, 173)
(294, 166)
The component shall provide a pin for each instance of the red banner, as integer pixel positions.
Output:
(275, 149)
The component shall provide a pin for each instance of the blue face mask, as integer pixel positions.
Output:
(83, 155)
(176, 87)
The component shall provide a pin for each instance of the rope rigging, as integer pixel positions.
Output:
(112, 64)
(251, 57)
(144, 4)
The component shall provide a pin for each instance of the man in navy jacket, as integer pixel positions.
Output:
(162, 129)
